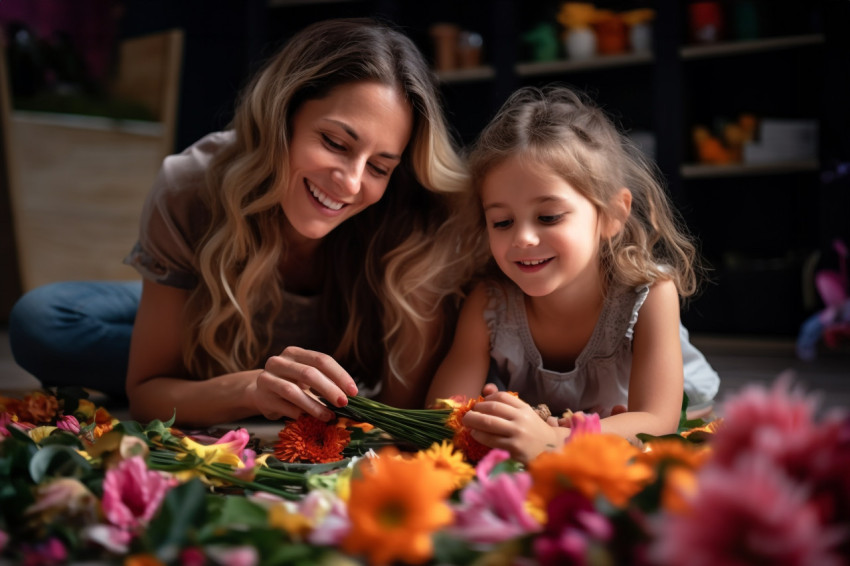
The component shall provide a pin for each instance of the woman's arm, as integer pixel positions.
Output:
(158, 383)
(657, 376)
(464, 369)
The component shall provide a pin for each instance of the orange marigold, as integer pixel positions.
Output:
(593, 464)
(38, 408)
(308, 439)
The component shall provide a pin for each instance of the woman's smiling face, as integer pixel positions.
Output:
(343, 149)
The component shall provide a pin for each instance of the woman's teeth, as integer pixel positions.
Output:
(324, 199)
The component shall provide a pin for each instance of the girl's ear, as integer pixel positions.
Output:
(618, 212)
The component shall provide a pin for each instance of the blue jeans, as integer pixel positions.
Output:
(76, 333)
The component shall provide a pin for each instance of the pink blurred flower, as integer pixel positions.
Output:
(573, 527)
(45, 554)
(234, 555)
(584, 423)
(4, 540)
(776, 422)
(110, 537)
(235, 441)
(132, 494)
(192, 556)
(747, 513)
(493, 509)
(69, 423)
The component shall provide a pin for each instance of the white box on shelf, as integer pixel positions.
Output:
(783, 139)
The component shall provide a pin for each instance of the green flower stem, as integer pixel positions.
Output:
(420, 427)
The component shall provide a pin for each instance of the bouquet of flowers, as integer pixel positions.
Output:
(766, 484)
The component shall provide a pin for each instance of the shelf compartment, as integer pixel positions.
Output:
(480, 73)
(700, 171)
(728, 48)
(598, 62)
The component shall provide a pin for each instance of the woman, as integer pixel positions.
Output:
(312, 251)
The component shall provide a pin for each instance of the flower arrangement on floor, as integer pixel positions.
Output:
(768, 483)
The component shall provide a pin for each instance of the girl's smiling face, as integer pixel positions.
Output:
(543, 233)
(343, 149)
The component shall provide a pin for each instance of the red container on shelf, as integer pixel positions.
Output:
(706, 21)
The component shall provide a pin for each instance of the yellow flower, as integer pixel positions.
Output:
(445, 457)
(395, 506)
(39, 433)
(704, 432)
(593, 464)
(284, 515)
(212, 453)
(85, 410)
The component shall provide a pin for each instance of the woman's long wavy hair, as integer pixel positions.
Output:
(562, 129)
(389, 273)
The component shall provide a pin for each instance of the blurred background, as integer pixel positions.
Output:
(742, 103)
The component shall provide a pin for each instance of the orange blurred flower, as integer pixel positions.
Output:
(593, 464)
(38, 408)
(308, 439)
(678, 462)
(396, 504)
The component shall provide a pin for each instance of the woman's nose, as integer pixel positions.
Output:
(350, 176)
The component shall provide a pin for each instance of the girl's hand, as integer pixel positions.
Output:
(504, 421)
(293, 382)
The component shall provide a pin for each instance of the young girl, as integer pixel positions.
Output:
(584, 313)
(315, 249)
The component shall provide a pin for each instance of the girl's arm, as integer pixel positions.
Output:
(464, 369)
(158, 383)
(657, 375)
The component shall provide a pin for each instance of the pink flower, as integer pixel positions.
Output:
(583, 423)
(45, 554)
(132, 494)
(4, 540)
(749, 513)
(493, 508)
(235, 441)
(234, 555)
(573, 527)
(69, 423)
(110, 537)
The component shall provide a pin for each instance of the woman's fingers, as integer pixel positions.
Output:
(314, 371)
(280, 398)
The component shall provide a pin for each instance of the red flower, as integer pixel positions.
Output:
(307, 439)
(471, 448)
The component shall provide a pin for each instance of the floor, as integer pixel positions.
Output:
(739, 362)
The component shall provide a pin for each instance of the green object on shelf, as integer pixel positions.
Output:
(543, 40)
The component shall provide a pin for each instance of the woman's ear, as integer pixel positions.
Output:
(618, 212)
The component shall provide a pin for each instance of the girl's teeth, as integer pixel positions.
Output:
(533, 262)
(324, 199)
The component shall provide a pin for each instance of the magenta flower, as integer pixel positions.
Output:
(235, 441)
(69, 423)
(748, 513)
(573, 528)
(493, 509)
(132, 494)
(584, 423)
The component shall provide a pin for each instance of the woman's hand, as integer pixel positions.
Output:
(293, 383)
(504, 421)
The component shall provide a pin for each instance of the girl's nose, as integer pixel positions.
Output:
(525, 236)
(350, 176)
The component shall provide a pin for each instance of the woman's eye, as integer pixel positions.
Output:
(550, 218)
(380, 171)
(332, 143)
(502, 224)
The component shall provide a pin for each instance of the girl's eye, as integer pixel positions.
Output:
(502, 224)
(332, 144)
(550, 218)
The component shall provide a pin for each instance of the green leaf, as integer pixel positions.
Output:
(182, 514)
(57, 461)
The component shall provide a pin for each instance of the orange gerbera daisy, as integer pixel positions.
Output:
(38, 408)
(396, 504)
(593, 464)
(308, 439)
(446, 456)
